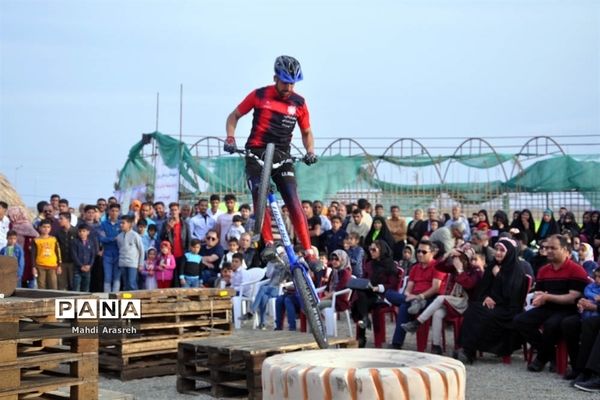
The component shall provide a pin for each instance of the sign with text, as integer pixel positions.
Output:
(166, 182)
(97, 309)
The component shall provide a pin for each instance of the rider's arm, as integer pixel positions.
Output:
(308, 140)
(231, 123)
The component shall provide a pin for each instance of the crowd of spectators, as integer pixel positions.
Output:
(476, 267)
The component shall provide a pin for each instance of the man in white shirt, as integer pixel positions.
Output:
(225, 220)
(214, 211)
(4, 223)
(201, 222)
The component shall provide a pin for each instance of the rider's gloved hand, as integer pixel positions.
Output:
(309, 158)
(230, 145)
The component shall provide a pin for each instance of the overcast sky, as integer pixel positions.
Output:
(78, 79)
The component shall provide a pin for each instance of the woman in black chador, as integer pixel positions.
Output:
(500, 296)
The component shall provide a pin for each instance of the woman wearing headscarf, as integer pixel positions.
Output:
(586, 258)
(500, 296)
(548, 226)
(20, 222)
(381, 272)
(484, 221)
(409, 257)
(525, 223)
(342, 271)
(379, 231)
(570, 224)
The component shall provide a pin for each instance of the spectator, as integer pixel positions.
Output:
(66, 235)
(236, 230)
(240, 275)
(340, 275)
(21, 224)
(408, 258)
(148, 271)
(481, 244)
(558, 286)
(570, 225)
(189, 273)
(160, 216)
(248, 251)
(12, 249)
(586, 258)
(141, 228)
(4, 223)
(356, 254)
(499, 226)
(131, 252)
(458, 217)
(212, 253)
(186, 212)
(108, 234)
(46, 257)
(145, 211)
(398, 229)
(449, 236)
(54, 202)
(382, 274)
(314, 223)
(225, 220)
(224, 280)
(541, 257)
(423, 286)
(318, 211)
(548, 226)
(201, 222)
(499, 297)
(363, 205)
(165, 265)
(358, 226)
(83, 254)
(176, 232)
(416, 228)
(247, 220)
(334, 238)
(63, 207)
(379, 231)
(483, 222)
(214, 211)
(41, 205)
(525, 224)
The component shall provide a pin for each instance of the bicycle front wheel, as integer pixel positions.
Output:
(311, 308)
(263, 189)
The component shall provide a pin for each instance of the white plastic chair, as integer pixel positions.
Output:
(253, 278)
(330, 315)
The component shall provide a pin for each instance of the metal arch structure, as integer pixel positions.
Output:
(473, 140)
(351, 145)
(531, 149)
(420, 146)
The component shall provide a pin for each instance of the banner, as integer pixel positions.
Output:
(166, 183)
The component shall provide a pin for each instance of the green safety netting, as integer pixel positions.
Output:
(336, 173)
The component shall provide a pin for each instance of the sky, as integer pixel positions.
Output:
(78, 79)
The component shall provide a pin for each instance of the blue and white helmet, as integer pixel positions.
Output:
(288, 69)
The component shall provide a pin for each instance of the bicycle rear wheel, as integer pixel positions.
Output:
(311, 309)
(263, 189)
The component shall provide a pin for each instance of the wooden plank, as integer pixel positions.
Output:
(41, 385)
(173, 292)
(88, 367)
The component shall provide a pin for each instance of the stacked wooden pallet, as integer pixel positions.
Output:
(167, 316)
(39, 354)
(231, 365)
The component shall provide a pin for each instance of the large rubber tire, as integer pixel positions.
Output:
(263, 189)
(362, 374)
(311, 309)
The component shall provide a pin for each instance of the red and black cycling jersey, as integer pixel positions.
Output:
(274, 117)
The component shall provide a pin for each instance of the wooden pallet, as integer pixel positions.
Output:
(232, 364)
(39, 354)
(168, 316)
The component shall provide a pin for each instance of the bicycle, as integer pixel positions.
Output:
(305, 289)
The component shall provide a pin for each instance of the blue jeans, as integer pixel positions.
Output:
(192, 281)
(399, 300)
(112, 273)
(261, 300)
(209, 276)
(81, 280)
(129, 278)
(290, 303)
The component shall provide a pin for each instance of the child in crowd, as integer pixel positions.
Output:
(356, 254)
(165, 266)
(141, 228)
(236, 229)
(148, 271)
(131, 253)
(591, 293)
(224, 281)
(233, 246)
(45, 254)
(12, 249)
(323, 275)
(189, 274)
(152, 236)
(239, 275)
(83, 254)
(408, 258)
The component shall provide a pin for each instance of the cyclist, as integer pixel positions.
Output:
(277, 108)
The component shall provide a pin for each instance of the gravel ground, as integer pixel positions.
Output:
(487, 379)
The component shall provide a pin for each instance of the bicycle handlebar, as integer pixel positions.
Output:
(249, 153)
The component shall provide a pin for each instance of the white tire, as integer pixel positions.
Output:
(362, 374)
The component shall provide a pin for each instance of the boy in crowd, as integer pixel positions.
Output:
(141, 227)
(45, 253)
(12, 249)
(131, 253)
(236, 230)
(66, 235)
(83, 252)
(333, 239)
(356, 254)
(189, 274)
(239, 274)
(224, 281)
(152, 236)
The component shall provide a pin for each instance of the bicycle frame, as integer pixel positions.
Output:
(287, 244)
